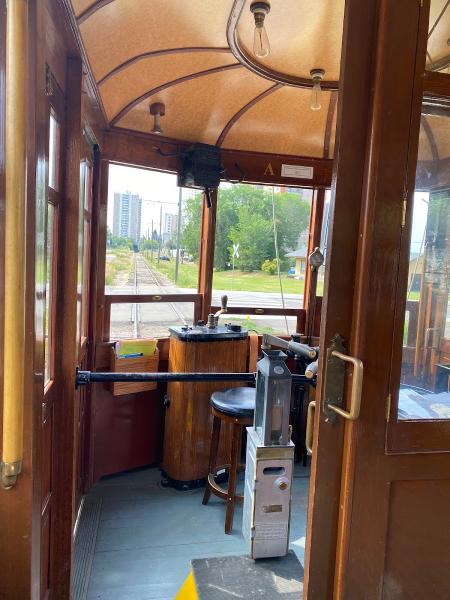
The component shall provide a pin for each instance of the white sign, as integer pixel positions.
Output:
(235, 250)
(297, 171)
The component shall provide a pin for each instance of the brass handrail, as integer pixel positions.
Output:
(15, 239)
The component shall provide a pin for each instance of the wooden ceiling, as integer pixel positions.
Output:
(196, 57)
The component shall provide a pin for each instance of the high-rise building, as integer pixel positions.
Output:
(127, 216)
(170, 226)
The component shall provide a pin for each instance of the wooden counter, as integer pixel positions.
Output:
(188, 422)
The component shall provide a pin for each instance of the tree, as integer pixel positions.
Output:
(244, 217)
(190, 237)
(121, 242)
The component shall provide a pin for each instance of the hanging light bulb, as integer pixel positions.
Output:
(261, 46)
(158, 110)
(317, 76)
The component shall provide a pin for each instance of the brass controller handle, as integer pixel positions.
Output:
(356, 391)
(310, 426)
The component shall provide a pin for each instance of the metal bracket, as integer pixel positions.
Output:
(334, 378)
(9, 473)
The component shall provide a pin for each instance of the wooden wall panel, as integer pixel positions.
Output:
(128, 147)
(418, 511)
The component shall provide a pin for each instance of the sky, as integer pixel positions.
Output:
(151, 186)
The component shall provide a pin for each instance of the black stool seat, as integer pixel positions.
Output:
(236, 402)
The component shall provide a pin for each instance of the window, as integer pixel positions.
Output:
(152, 249)
(259, 229)
(51, 229)
(425, 373)
(54, 152)
(49, 289)
(84, 245)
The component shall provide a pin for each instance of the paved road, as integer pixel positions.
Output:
(129, 320)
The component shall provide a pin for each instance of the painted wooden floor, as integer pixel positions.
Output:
(148, 534)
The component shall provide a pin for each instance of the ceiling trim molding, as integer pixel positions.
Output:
(259, 69)
(90, 10)
(244, 109)
(126, 109)
(330, 115)
(157, 53)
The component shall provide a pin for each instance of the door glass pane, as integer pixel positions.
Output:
(81, 262)
(425, 376)
(53, 153)
(49, 292)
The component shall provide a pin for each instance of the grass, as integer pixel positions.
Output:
(187, 272)
(240, 281)
(121, 262)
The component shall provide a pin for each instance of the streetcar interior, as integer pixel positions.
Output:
(126, 259)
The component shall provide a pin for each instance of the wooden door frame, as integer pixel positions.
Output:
(352, 129)
(342, 565)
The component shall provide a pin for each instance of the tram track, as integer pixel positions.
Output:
(145, 275)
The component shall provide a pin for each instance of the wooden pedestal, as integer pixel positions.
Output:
(188, 425)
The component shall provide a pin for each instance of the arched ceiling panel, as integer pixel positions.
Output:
(425, 151)
(197, 110)
(149, 73)
(143, 51)
(440, 130)
(439, 31)
(125, 28)
(303, 36)
(299, 130)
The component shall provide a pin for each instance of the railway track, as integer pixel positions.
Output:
(143, 276)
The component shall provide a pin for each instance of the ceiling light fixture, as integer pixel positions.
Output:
(261, 46)
(317, 76)
(158, 110)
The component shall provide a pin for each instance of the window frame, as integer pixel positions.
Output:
(403, 436)
(53, 198)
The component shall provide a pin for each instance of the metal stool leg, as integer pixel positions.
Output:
(212, 457)
(234, 464)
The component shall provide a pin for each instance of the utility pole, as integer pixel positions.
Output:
(151, 244)
(160, 232)
(177, 258)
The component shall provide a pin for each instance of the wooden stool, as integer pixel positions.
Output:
(235, 406)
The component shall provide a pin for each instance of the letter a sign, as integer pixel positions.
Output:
(269, 170)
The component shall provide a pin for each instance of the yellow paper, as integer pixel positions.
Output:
(146, 347)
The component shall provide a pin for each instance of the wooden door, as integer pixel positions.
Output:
(47, 282)
(380, 490)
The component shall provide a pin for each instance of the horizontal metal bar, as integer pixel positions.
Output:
(149, 298)
(249, 310)
(88, 377)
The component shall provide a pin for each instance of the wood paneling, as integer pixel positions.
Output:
(67, 348)
(142, 150)
(140, 364)
(418, 511)
(188, 425)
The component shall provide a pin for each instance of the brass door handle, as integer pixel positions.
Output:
(355, 395)
(310, 426)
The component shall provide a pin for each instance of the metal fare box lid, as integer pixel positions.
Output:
(205, 334)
